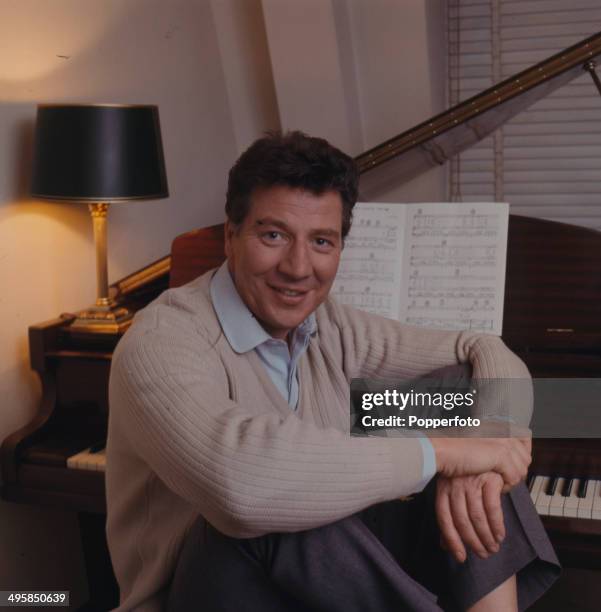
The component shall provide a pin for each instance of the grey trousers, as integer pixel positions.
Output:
(387, 558)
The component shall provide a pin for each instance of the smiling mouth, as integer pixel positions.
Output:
(289, 292)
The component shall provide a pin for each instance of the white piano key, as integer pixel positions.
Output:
(585, 504)
(74, 461)
(596, 507)
(570, 507)
(543, 500)
(86, 460)
(557, 500)
(98, 459)
(536, 487)
(597, 501)
(90, 462)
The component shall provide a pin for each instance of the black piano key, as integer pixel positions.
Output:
(552, 486)
(567, 488)
(582, 488)
(97, 447)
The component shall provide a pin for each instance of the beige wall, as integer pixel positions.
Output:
(222, 72)
(359, 72)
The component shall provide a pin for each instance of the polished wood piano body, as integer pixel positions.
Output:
(550, 321)
(552, 315)
(73, 414)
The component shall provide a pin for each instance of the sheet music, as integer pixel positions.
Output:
(369, 275)
(454, 269)
(437, 265)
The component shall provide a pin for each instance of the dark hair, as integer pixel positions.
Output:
(296, 160)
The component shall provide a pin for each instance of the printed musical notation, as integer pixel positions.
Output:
(379, 232)
(468, 224)
(436, 265)
(480, 325)
(376, 303)
(456, 256)
(369, 275)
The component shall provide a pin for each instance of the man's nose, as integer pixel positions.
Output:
(296, 262)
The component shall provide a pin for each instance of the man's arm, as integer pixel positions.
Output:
(374, 347)
(248, 469)
(508, 457)
(380, 348)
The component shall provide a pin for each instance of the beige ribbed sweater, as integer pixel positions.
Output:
(195, 428)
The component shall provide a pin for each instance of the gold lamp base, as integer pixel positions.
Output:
(103, 318)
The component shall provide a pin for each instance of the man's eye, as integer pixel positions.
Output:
(272, 236)
(324, 242)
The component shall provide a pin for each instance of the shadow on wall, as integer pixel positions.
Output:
(22, 145)
(18, 383)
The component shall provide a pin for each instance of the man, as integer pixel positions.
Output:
(229, 455)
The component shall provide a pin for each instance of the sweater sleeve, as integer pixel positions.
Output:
(248, 470)
(380, 348)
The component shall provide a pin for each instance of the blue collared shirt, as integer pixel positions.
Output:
(245, 333)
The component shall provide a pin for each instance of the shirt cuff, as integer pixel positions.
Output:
(428, 465)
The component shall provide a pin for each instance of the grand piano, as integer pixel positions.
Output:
(552, 310)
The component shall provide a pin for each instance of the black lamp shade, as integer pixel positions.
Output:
(98, 153)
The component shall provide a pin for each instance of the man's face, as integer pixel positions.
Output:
(285, 254)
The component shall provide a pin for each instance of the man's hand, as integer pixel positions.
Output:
(468, 511)
(508, 457)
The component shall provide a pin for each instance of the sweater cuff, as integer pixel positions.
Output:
(428, 463)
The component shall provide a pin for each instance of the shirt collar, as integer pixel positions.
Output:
(240, 326)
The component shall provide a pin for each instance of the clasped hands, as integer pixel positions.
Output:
(473, 474)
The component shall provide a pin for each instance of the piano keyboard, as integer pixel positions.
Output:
(569, 497)
(92, 458)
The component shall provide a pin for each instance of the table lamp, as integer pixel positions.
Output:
(98, 153)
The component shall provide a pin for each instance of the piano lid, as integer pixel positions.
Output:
(438, 139)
